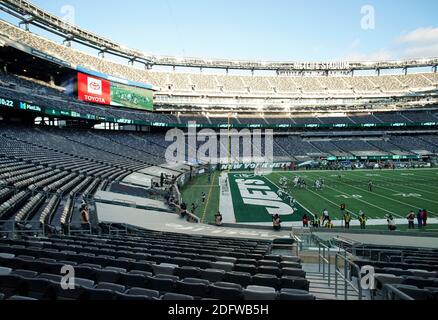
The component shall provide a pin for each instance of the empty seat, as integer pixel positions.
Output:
(52, 277)
(259, 293)
(268, 263)
(188, 272)
(295, 294)
(99, 294)
(418, 282)
(226, 266)
(143, 292)
(226, 259)
(242, 278)
(290, 259)
(414, 292)
(115, 269)
(269, 270)
(5, 271)
(176, 296)
(21, 298)
(164, 268)
(293, 272)
(133, 280)
(107, 276)
(2, 296)
(110, 286)
(7, 255)
(162, 285)
(265, 280)
(11, 284)
(40, 289)
(294, 283)
(25, 273)
(193, 287)
(85, 283)
(225, 291)
(212, 275)
(251, 269)
(288, 264)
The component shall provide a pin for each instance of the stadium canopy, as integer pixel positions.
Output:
(28, 13)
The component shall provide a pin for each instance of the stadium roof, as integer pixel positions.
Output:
(31, 14)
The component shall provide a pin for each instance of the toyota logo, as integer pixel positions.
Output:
(95, 85)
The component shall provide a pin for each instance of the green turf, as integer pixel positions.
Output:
(395, 192)
(191, 193)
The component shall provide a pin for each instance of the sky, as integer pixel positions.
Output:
(310, 30)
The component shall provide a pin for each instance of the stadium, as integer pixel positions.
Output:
(215, 179)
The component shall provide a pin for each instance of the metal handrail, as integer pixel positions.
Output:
(323, 258)
(346, 276)
(299, 243)
(389, 292)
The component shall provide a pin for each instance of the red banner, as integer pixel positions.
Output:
(92, 89)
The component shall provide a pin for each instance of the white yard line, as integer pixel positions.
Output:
(393, 190)
(379, 195)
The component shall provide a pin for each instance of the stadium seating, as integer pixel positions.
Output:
(36, 273)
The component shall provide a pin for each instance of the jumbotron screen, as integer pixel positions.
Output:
(96, 90)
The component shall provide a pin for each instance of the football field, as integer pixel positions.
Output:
(253, 199)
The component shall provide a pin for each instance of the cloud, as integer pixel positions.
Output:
(355, 44)
(416, 44)
(420, 35)
(379, 55)
(419, 43)
(430, 51)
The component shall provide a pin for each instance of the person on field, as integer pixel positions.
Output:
(347, 220)
(391, 223)
(276, 222)
(362, 220)
(420, 218)
(411, 219)
(218, 219)
(329, 224)
(370, 186)
(305, 221)
(325, 215)
(425, 214)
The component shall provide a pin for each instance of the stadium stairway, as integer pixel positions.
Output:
(319, 285)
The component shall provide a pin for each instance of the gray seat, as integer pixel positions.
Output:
(25, 273)
(7, 255)
(293, 272)
(226, 259)
(164, 268)
(115, 269)
(86, 283)
(242, 278)
(5, 271)
(176, 297)
(413, 292)
(212, 275)
(21, 298)
(295, 294)
(143, 292)
(259, 293)
(110, 286)
(226, 266)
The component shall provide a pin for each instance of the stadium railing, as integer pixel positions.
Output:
(390, 292)
(343, 266)
(324, 261)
